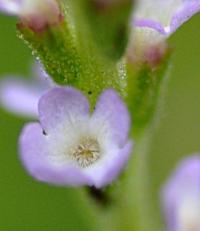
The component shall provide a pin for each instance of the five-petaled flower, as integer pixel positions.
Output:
(72, 146)
(37, 14)
(181, 196)
(153, 22)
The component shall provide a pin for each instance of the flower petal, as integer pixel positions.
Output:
(19, 97)
(60, 105)
(107, 169)
(10, 6)
(112, 111)
(189, 8)
(41, 77)
(150, 24)
(186, 178)
(185, 182)
(171, 14)
(34, 155)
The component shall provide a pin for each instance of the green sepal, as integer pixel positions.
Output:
(72, 56)
(145, 85)
(55, 48)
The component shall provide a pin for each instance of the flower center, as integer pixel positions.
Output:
(86, 152)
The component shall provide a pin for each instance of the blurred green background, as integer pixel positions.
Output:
(28, 205)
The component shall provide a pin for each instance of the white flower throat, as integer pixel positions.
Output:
(189, 214)
(86, 152)
(80, 143)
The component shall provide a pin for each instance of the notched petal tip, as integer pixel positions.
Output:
(59, 104)
(112, 110)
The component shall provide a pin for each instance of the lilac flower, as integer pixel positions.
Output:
(35, 13)
(154, 21)
(164, 16)
(21, 96)
(72, 146)
(181, 197)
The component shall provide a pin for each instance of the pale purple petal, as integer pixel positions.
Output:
(61, 104)
(150, 24)
(11, 6)
(185, 181)
(111, 109)
(164, 16)
(19, 97)
(190, 8)
(105, 172)
(34, 155)
(41, 77)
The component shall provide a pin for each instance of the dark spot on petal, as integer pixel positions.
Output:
(43, 132)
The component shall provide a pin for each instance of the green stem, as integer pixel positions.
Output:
(135, 208)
